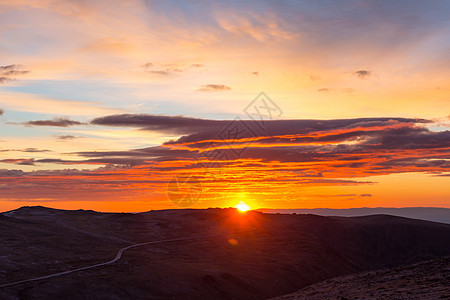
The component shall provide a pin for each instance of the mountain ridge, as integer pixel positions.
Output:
(435, 214)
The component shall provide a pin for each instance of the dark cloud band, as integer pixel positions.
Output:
(57, 122)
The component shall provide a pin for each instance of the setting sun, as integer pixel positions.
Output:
(242, 206)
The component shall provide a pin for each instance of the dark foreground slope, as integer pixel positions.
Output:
(426, 280)
(257, 256)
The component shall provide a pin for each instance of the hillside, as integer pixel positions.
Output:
(257, 255)
(425, 280)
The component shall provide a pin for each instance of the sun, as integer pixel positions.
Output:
(242, 206)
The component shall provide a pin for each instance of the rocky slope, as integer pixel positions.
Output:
(426, 280)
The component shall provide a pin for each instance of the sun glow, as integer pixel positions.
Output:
(242, 206)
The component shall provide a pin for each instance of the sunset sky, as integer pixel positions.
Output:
(111, 105)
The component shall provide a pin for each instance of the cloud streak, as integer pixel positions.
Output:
(363, 74)
(160, 123)
(214, 88)
(67, 137)
(169, 69)
(19, 161)
(56, 122)
(10, 72)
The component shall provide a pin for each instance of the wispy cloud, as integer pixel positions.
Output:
(169, 69)
(10, 72)
(34, 150)
(27, 150)
(57, 122)
(19, 161)
(214, 88)
(363, 74)
(66, 137)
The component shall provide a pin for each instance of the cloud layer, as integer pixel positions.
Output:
(225, 155)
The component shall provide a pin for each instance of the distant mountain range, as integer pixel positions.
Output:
(435, 214)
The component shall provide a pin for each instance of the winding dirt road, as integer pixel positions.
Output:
(118, 256)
